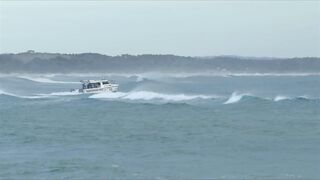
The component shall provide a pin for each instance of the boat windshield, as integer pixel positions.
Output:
(93, 85)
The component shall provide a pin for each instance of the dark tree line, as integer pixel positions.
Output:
(92, 62)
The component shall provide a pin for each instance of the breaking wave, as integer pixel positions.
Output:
(234, 98)
(46, 80)
(140, 78)
(4, 93)
(39, 96)
(149, 95)
(18, 96)
(159, 75)
(64, 93)
(280, 98)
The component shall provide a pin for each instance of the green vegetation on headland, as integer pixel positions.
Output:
(33, 62)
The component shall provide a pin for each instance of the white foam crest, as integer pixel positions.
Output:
(154, 75)
(274, 74)
(280, 98)
(234, 98)
(148, 95)
(139, 78)
(19, 96)
(6, 93)
(2, 92)
(46, 80)
(63, 93)
(108, 95)
(37, 96)
(160, 75)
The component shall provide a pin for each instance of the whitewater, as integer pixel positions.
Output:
(161, 126)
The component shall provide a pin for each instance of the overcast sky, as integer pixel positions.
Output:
(205, 28)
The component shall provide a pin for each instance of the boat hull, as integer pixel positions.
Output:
(111, 89)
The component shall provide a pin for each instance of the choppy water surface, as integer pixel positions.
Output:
(161, 127)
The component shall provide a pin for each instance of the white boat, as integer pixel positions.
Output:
(97, 86)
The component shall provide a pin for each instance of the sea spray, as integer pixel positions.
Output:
(234, 98)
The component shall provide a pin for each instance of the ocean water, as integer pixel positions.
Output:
(161, 127)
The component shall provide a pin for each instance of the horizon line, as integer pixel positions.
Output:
(203, 56)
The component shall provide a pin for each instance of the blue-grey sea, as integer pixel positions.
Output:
(161, 126)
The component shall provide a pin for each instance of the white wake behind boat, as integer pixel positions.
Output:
(97, 86)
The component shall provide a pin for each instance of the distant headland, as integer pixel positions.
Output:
(36, 62)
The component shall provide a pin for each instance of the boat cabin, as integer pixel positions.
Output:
(95, 86)
(90, 84)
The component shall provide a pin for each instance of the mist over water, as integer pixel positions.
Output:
(161, 126)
